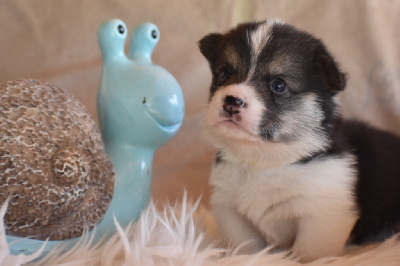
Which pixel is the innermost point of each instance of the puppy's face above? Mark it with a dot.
(272, 93)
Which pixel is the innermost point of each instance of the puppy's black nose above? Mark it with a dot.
(232, 104)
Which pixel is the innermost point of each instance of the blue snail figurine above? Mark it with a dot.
(140, 107)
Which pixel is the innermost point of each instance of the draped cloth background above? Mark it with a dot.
(57, 41)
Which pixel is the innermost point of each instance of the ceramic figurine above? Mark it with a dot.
(140, 107)
(53, 164)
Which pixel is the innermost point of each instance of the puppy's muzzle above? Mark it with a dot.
(232, 105)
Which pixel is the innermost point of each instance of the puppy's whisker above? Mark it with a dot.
(200, 107)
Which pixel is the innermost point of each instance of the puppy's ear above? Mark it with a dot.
(210, 46)
(331, 74)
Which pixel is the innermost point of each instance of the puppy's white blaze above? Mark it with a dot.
(258, 39)
(244, 125)
(261, 35)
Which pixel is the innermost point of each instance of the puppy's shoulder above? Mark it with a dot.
(365, 138)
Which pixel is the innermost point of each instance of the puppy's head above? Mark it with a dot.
(272, 93)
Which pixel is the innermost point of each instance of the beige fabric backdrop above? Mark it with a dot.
(56, 41)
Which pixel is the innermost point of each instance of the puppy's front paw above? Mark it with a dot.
(320, 237)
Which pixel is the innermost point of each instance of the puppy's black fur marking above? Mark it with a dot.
(211, 47)
(378, 186)
(218, 157)
(307, 67)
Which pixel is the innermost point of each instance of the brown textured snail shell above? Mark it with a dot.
(53, 164)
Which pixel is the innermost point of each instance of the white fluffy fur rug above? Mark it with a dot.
(179, 235)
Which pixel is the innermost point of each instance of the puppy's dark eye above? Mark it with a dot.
(224, 74)
(278, 85)
(121, 29)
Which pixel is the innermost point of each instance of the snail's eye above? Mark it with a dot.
(154, 34)
(121, 29)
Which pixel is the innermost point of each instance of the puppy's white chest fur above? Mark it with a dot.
(284, 203)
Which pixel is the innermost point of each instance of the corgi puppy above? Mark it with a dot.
(289, 171)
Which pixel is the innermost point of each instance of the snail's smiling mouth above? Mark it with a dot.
(163, 124)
